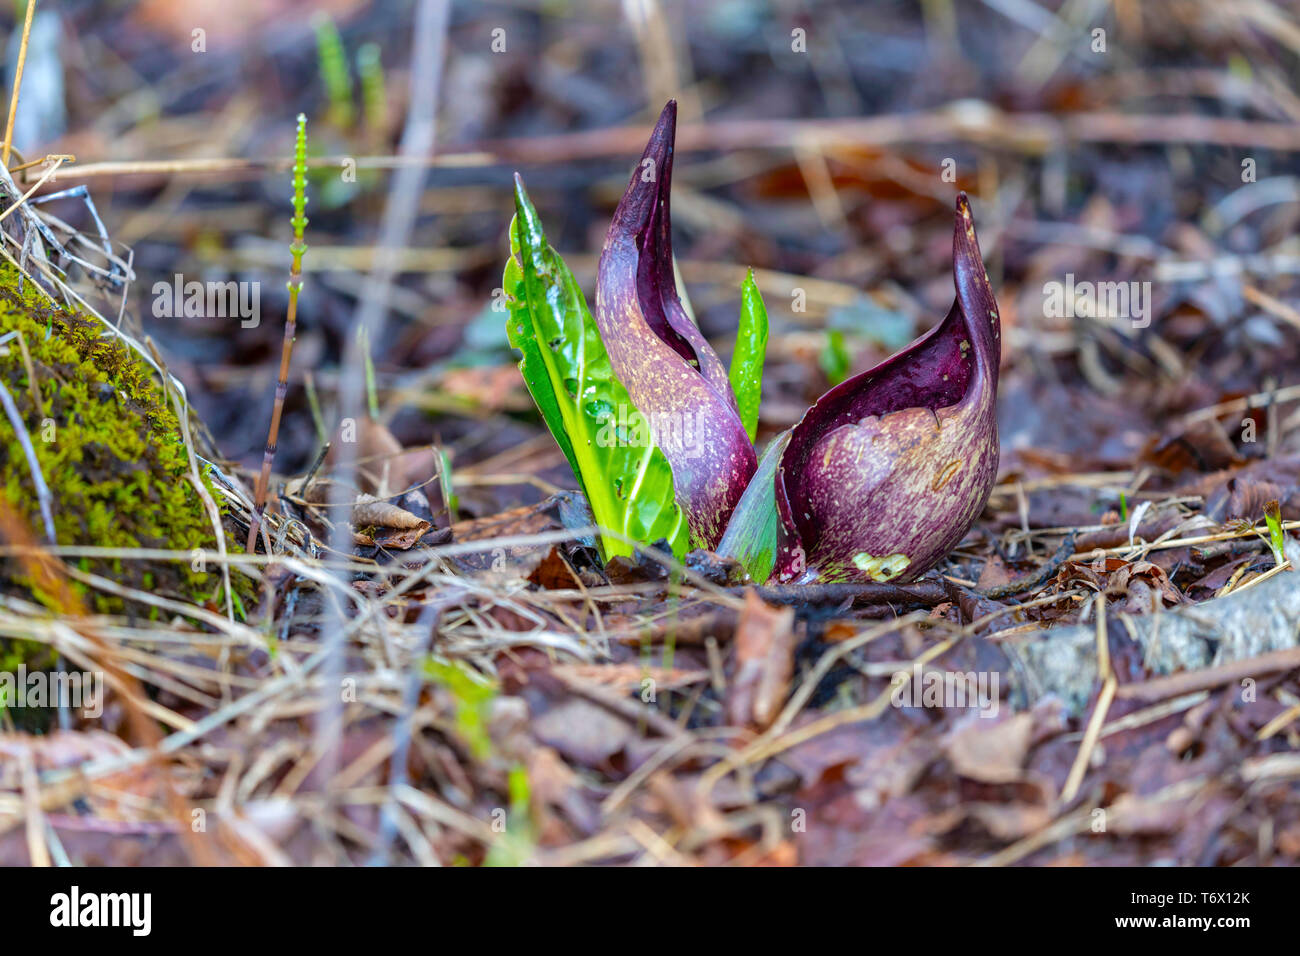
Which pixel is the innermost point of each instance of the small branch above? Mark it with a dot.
(1197, 644)
(920, 592)
(42, 491)
(18, 82)
(1031, 581)
(981, 125)
(1162, 688)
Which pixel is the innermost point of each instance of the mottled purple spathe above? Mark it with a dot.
(889, 470)
(670, 371)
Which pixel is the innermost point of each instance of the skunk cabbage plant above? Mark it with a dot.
(882, 476)
(887, 471)
(626, 479)
(672, 374)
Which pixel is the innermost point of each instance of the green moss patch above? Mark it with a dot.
(109, 447)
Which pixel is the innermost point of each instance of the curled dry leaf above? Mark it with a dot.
(764, 663)
(584, 732)
(369, 511)
(991, 752)
(380, 458)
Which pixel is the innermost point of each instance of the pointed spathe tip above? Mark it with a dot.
(661, 138)
(963, 206)
(649, 177)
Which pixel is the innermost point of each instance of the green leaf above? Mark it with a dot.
(751, 534)
(1276, 538)
(834, 359)
(473, 697)
(747, 360)
(626, 478)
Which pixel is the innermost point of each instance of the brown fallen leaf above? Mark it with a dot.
(493, 387)
(890, 771)
(1131, 815)
(1137, 586)
(553, 572)
(584, 732)
(568, 509)
(380, 458)
(627, 678)
(993, 574)
(764, 663)
(1203, 446)
(1010, 821)
(991, 752)
(371, 512)
(396, 540)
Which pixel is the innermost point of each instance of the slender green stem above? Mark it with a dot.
(296, 249)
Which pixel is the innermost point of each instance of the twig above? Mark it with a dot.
(428, 48)
(18, 82)
(979, 124)
(1031, 581)
(1160, 688)
(1098, 718)
(42, 490)
(867, 592)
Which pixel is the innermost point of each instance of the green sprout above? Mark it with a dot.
(299, 220)
(296, 250)
(1273, 518)
(334, 71)
(746, 373)
(374, 95)
(516, 845)
(372, 395)
(473, 696)
(447, 485)
(834, 360)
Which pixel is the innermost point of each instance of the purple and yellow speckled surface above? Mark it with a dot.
(887, 471)
(671, 373)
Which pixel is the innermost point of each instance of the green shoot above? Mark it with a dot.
(473, 697)
(834, 359)
(334, 72)
(374, 95)
(1273, 518)
(746, 373)
(296, 250)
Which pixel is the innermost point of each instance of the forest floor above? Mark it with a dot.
(458, 679)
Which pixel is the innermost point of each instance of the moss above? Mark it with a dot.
(109, 447)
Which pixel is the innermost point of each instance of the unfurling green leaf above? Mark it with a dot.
(1276, 537)
(751, 535)
(626, 478)
(747, 360)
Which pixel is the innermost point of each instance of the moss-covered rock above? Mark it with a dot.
(109, 446)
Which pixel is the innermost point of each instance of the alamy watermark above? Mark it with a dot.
(131, 911)
(948, 689)
(682, 433)
(83, 690)
(213, 300)
(1098, 300)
